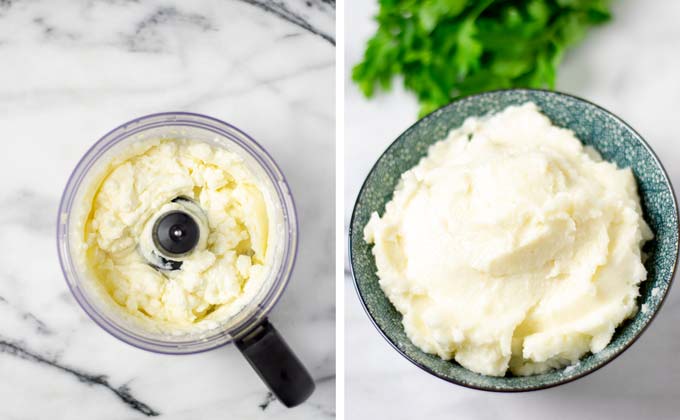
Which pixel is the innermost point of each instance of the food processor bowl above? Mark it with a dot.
(249, 328)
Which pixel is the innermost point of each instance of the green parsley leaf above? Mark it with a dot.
(443, 49)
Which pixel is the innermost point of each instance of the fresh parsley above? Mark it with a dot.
(444, 49)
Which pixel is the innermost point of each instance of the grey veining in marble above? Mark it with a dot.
(72, 70)
(626, 66)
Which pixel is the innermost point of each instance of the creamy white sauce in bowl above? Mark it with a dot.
(511, 246)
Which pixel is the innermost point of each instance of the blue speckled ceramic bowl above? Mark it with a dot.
(613, 138)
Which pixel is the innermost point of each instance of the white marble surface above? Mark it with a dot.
(72, 70)
(630, 67)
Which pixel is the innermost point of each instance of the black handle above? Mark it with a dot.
(277, 365)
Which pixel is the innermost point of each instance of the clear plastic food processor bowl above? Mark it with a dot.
(260, 343)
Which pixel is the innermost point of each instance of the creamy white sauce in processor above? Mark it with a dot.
(511, 246)
(238, 233)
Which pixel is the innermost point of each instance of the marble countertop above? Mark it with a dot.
(628, 66)
(72, 70)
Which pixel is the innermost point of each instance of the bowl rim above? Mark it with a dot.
(586, 372)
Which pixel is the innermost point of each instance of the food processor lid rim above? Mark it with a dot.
(266, 162)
